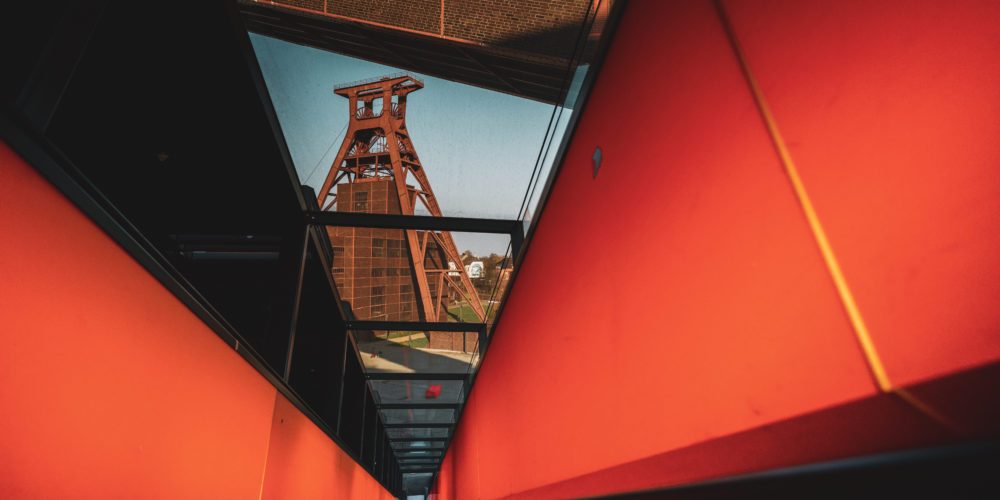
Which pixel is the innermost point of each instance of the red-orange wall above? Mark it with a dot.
(696, 305)
(891, 110)
(304, 463)
(111, 388)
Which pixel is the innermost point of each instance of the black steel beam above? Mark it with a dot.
(419, 426)
(417, 326)
(418, 406)
(420, 222)
(411, 440)
(516, 242)
(415, 376)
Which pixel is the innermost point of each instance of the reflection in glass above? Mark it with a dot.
(417, 445)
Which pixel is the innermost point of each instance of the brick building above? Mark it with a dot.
(372, 266)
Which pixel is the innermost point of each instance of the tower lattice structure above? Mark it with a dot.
(390, 274)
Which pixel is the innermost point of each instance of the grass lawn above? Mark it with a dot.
(413, 342)
(418, 343)
(466, 314)
(393, 335)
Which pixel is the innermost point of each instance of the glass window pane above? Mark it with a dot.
(412, 275)
(419, 461)
(418, 454)
(417, 432)
(416, 391)
(418, 416)
(417, 445)
(484, 177)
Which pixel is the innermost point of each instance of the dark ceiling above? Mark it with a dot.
(522, 59)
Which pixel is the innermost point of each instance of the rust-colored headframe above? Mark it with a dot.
(377, 149)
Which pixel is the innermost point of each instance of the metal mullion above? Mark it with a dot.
(404, 456)
(413, 222)
(372, 430)
(415, 376)
(516, 241)
(419, 426)
(417, 326)
(296, 302)
(343, 377)
(418, 406)
(364, 409)
(410, 440)
(380, 445)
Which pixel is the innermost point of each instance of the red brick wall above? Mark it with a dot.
(423, 15)
(305, 4)
(360, 270)
(541, 26)
(546, 27)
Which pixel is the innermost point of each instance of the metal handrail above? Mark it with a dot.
(376, 79)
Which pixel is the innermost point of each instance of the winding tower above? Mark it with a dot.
(391, 274)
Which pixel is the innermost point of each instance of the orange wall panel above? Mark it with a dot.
(111, 388)
(693, 310)
(890, 110)
(304, 463)
(445, 484)
(692, 302)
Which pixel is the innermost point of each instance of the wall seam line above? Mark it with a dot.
(267, 448)
(861, 333)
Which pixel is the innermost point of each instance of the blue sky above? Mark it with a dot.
(478, 146)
